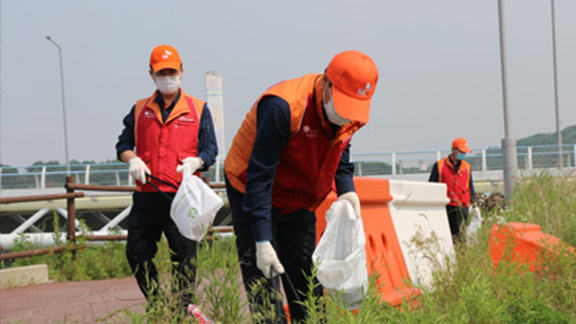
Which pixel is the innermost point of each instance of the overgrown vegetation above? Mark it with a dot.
(549, 202)
(471, 291)
(92, 262)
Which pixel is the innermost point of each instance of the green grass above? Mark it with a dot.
(91, 261)
(547, 201)
(471, 291)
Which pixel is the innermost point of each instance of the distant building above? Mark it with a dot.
(215, 100)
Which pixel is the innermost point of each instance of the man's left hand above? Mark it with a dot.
(352, 197)
(190, 165)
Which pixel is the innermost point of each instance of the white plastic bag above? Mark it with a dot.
(341, 255)
(475, 222)
(194, 207)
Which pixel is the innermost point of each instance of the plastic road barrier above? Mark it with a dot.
(419, 216)
(383, 252)
(524, 244)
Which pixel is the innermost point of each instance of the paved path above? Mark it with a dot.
(71, 302)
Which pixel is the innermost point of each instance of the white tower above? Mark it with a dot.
(215, 101)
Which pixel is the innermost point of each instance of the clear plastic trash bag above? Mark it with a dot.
(341, 255)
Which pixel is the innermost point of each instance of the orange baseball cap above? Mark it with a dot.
(461, 144)
(353, 76)
(165, 57)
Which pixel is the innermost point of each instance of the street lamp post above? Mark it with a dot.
(510, 159)
(558, 130)
(63, 103)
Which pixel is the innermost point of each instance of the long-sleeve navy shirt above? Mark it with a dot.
(434, 177)
(272, 135)
(207, 146)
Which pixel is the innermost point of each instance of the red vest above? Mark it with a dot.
(457, 183)
(163, 145)
(305, 174)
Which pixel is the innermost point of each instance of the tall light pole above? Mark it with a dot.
(558, 130)
(510, 159)
(63, 103)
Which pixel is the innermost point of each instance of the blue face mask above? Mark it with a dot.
(461, 156)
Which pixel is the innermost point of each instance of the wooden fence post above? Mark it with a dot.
(71, 207)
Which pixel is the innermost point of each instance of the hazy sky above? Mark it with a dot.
(438, 61)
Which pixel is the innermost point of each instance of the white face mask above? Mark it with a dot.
(168, 84)
(333, 116)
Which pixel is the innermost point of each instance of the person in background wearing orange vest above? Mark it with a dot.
(173, 133)
(291, 151)
(457, 175)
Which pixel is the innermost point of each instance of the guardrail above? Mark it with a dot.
(378, 164)
(71, 237)
(490, 159)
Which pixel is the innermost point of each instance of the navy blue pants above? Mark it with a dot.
(458, 218)
(294, 239)
(148, 219)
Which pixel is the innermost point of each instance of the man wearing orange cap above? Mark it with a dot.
(457, 175)
(291, 151)
(165, 135)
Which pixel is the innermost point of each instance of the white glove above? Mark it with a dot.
(352, 197)
(138, 169)
(190, 165)
(267, 260)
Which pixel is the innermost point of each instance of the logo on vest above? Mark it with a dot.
(362, 92)
(186, 119)
(149, 114)
(308, 132)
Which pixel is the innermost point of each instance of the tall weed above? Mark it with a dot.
(471, 290)
(547, 201)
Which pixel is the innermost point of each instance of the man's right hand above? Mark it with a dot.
(354, 200)
(267, 260)
(138, 169)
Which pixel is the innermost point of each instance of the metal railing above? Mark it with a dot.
(490, 159)
(378, 164)
(72, 223)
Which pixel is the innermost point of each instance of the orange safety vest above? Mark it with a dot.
(163, 145)
(308, 163)
(457, 183)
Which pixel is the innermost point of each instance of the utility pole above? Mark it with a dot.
(510, 159)
(558, 129)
